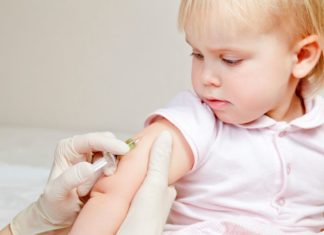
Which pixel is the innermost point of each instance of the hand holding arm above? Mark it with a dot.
(151, 204)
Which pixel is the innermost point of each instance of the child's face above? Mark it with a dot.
(242, 75)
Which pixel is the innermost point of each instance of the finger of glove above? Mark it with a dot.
(85, 188)
(72, 178)
(158, 169)
(95, 142)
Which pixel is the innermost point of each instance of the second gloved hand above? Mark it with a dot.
(71, 177)
(151, 205)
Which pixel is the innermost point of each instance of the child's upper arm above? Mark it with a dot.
(133, 166)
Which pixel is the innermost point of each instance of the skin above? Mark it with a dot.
(252, 72)
(6, 231)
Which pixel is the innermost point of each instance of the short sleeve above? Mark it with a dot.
(195, 121)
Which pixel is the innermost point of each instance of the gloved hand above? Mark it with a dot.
(151, 205)
(72, 177)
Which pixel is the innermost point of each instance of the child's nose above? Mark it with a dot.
(210, 78)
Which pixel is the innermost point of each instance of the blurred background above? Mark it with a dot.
(89, 65)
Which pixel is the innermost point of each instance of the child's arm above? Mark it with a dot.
(111, 196)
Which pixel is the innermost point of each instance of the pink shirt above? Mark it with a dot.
(268, 172)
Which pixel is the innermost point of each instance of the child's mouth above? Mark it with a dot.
(216, 104)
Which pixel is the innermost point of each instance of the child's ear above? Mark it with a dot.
(307, 52)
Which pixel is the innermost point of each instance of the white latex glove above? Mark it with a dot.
(151, 205)
(72, 177)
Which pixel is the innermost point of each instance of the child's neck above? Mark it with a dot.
(290, 111)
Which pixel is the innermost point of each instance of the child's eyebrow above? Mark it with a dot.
(225, 49)
(187, 41)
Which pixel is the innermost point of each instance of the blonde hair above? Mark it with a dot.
(299, 18)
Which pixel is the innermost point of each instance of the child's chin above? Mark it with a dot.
(228, 119)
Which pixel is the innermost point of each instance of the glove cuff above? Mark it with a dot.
(31, 221)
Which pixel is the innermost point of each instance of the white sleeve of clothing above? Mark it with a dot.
(194, 119)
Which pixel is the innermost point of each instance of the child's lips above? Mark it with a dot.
(216, 104)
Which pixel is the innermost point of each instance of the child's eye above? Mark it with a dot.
(197, 55)
(232, 61)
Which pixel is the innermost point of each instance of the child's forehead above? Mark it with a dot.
(216, 41)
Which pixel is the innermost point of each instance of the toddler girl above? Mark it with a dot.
(248, 144)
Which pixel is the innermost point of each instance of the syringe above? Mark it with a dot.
(109, 160)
